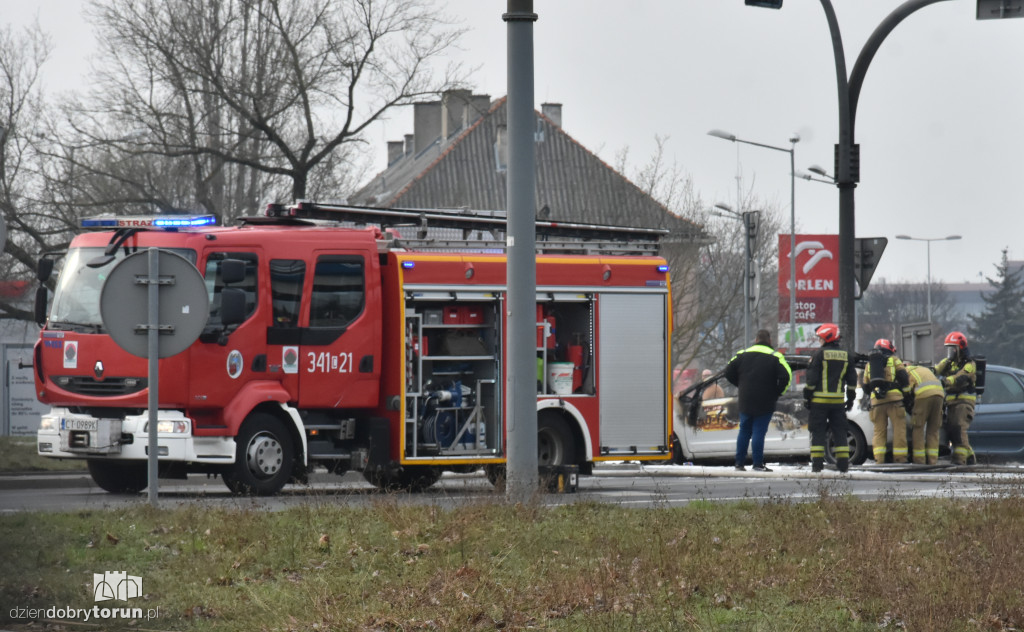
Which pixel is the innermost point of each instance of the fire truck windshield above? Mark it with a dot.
(76, 301)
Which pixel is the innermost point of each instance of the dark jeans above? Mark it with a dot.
(752, 431)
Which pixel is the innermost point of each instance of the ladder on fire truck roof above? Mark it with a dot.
(434, 228)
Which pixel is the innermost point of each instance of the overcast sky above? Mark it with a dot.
(939, 120)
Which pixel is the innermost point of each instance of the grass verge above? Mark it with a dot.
(18, 454)
(834, 564)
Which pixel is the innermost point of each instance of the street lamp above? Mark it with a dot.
(794, 139)
(750, 225)
(929, 242)
(847, 150)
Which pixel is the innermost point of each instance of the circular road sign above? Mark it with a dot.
(184, 305)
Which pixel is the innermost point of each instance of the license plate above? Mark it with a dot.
(80, 424)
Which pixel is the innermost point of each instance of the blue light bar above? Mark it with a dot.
(662, 268)
(149, 221)
(408, 265)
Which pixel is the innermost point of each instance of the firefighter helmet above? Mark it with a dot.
(957, 339)
(884, 344)
(828, 332)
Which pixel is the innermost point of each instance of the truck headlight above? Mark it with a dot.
(175, 426)
(48, 423)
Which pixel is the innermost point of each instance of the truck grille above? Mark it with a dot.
(110, 387)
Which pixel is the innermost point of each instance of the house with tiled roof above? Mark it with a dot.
(456, 157)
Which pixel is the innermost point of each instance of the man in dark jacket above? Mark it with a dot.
(762, 375)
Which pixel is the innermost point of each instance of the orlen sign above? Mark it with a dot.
(817, 266)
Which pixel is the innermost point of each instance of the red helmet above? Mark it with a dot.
(828, 332)
(955, 338)
(885, 344)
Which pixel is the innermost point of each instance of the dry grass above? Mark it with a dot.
(834, 564)
(18, 454)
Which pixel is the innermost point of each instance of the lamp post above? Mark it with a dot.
(847, 151)
(794, 139)
(929, 242)
(750, 224)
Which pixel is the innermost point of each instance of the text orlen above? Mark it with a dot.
(85, 614)
(815, 285)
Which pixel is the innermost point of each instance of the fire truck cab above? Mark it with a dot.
(333, 341)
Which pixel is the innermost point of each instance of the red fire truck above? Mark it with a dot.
(358, 339)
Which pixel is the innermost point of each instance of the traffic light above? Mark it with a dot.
(768, 4)
(866, 253)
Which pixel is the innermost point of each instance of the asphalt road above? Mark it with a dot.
(628, 485)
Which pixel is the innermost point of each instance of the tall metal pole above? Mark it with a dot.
(792, 219)
(792, 247)
(153, 372)
(848, 152)
(929, 290)
(521, 381)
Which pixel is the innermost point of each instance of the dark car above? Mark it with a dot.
(997, 432)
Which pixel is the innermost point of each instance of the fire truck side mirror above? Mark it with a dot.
(44, 269)
(41, 295)
(232, 306)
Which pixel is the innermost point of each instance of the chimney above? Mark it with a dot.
(409, 144)
(395, 151)
(454, 108)
(479, 105)
(426, 125)
(552, 111)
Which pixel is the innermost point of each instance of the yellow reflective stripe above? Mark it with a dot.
(879, 454)
(926, 390)
(827, 398)
(962, 397)
(817, 451)
(842, 451)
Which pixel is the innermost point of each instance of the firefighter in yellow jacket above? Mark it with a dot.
(959, 374)
(925, 406)
(886, 378)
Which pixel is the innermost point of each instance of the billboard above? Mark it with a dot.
(817, 286)
(817, 266)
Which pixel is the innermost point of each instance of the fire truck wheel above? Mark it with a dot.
(263, 463)
(554, 441)
(130, 477)
(410, 478)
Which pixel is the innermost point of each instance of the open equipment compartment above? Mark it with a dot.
(453, 374)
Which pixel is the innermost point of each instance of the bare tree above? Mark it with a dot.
(886, 307)
(261, 98)
(32, 226)
(707, 277)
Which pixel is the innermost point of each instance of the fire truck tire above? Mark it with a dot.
(130, 477)
(410, 478)
(555, 445)
(264, 459)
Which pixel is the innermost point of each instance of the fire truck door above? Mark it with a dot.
(339, 354)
